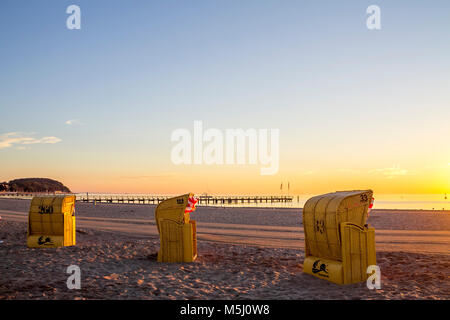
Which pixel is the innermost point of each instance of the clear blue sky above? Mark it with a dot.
(139, 69)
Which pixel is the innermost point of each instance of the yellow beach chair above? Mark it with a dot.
(178, 235)
(51, 222)
(339, 246)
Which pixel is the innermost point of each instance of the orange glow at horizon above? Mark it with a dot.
(248, 181)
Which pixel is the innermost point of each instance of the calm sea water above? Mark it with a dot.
(382, 201)
(437, 202)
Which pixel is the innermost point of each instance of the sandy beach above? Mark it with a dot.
(244, 253)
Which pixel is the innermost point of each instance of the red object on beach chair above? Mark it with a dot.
(191, 205)
(370, 206)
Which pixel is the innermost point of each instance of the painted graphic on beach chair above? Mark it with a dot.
(339, 246)
(178, 234)
(51, 222)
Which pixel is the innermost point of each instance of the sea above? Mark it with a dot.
(382, 201)
(437, 202)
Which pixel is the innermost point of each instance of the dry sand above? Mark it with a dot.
(244, 253)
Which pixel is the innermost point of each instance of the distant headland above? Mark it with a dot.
(33, 185)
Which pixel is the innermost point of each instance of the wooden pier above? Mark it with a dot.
(149, 199)
(203, 199)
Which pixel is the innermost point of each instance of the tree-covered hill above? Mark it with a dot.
(33, 185)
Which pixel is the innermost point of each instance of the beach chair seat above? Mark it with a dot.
(178, 234)
(51, 222)
(339, 246)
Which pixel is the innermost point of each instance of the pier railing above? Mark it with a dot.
(203, 200)
(149, 199)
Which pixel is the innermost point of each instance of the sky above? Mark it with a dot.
(95, 108)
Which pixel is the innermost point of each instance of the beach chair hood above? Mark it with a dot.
(338, 244)
(178, 236)
(51, 222)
